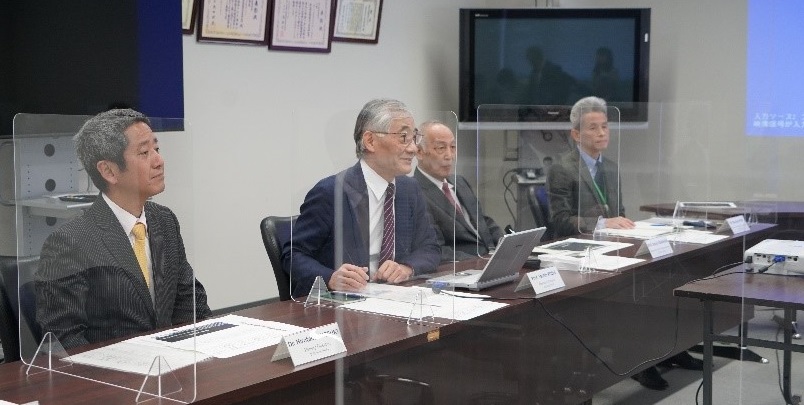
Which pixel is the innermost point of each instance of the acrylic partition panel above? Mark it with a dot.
(675, 156)
(93, 301)
(334, 253)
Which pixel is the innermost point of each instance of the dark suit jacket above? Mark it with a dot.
(574, 203)
(90, 287)
(452, 231)
(332, 229)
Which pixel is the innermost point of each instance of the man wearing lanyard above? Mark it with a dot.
(585, 195)
(583, 186)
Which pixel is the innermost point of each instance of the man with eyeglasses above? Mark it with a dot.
(462, 229)
(370, 221)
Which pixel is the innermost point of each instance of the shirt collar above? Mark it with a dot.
(590, 161)
(435, 181)
(125, 218)
(376, 184)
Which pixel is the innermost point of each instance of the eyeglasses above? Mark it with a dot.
(405, 137)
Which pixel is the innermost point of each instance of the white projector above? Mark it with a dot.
(783, 256)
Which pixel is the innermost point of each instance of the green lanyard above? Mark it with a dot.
(601, 195)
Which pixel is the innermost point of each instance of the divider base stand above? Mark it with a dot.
(50, 355)
(160, 382)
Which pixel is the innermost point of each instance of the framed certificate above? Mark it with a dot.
(188, 15)
(357, 21)
(233, 21)
(301, 25)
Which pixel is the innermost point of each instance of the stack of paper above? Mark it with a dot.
(420, 302)
(642, 230)
(594, 261)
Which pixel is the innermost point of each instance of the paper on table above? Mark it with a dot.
(642, 230)
(577, 247)
(599, 262)
(441, 305)
(693, 236)
(134, 356)
(247, 335)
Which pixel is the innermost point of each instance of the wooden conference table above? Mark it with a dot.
(738, 287)
(558, 349)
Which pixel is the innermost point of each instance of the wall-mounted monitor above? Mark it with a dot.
(553, 56)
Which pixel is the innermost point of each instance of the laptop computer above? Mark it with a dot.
(511, 254)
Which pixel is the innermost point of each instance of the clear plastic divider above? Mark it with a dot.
(339, 236)
(94, 301)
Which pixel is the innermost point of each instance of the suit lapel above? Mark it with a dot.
(436, 197)
(119, 247)
(468, 203)
(156, 244)
(356, 193)
(586, 177)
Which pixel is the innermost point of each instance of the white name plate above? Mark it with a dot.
(657, 247)
(542, 281)
(737, 224)
(311, 345)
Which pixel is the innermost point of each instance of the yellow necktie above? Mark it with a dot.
(139, 250)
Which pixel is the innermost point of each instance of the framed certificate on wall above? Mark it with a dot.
(233, 21)
(188, 15)
(301, 25)
(357, 21)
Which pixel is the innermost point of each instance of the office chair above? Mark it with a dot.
(275, 231)
(21, 299)
(539, 207)
(9, 327)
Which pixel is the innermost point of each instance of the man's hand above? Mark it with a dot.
(348, 277)
(393, 272)
(619, 223)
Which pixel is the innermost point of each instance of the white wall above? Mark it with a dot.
(268, 124)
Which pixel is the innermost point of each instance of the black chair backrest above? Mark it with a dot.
(536, 206)
(275, 231)
(538, 201)
(9, 326)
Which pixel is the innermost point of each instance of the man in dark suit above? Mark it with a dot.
(120, 268)
(584, 190)
(368, 222)
(584, 185)
(462, 229)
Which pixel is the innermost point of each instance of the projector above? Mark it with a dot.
(777, 256)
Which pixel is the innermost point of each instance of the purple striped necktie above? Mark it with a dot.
(388, 226)
(448, 194)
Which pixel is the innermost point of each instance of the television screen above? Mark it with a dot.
(83, 57)
(553, 57)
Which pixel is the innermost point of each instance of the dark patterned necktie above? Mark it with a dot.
(388, 226)
(448, 194)
(600, 177)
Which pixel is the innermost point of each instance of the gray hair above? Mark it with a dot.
(377, 115)
(424, 126)
(103, 137)
(586, 105)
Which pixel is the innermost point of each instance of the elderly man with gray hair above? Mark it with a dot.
(584, 185)
(370, 221)
(120, 268)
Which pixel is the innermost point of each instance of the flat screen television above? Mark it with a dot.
(553, 57)
(83, 57)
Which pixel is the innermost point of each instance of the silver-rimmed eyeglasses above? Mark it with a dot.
(405, 137)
